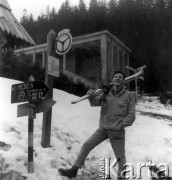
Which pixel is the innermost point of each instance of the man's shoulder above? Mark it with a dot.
(129, 93)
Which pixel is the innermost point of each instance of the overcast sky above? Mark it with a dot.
(36, 6)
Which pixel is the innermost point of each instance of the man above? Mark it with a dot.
(117, 112)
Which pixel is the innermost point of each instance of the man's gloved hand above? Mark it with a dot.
(106, 87)
(91, 92)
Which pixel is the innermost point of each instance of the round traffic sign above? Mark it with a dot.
(63, 42)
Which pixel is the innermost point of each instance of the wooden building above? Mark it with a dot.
(12, 33)
(93, 56)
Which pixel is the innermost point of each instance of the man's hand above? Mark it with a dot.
(91, 92)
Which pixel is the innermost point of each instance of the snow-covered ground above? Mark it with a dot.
(149, 138)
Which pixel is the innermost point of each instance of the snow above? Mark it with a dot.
(149, 138)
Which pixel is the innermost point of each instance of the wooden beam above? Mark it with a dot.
(86, 38)
(34, 57)
(110, 64)
(30, 50)
(104, 58)
(127, 63)
(118, 59)
(123, 61)
(64, 61)
(115, 58)
(43, 58)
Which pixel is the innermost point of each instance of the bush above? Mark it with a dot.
(11, 68)
(166, 97)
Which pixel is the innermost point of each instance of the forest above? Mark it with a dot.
(145, 26)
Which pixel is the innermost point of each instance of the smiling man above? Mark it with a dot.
(117, 112)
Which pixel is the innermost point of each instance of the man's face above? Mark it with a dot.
(118, 79)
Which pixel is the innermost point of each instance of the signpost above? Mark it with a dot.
(40, 106)
(63, 42)
(30, 91)
(34, 92)
(31, 117)
(61, 45)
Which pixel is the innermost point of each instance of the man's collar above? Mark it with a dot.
(114, 88)
(118, 93)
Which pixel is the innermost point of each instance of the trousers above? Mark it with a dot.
(117, 140)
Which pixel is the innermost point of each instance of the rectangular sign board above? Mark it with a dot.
(30, 91)
(53, 66)
(40, 106)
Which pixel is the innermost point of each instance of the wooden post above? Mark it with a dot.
(104, 58)
(43, 58)
(118, 59)
(64, 62)
(128, 69)
(126, 58)
(136, 87)
(34, 57)
(123, 61)
(31, 117)
(110, 64)
(46, 127)
(115, 57)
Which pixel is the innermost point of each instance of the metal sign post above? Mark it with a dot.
(31, 117)
(34, 92)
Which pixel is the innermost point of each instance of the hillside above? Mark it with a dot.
(149, 138)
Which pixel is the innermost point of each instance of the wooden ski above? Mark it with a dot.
(128, 79)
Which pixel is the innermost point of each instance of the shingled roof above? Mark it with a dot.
(10, 26)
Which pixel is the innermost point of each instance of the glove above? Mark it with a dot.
(91, 92)
(106, 88)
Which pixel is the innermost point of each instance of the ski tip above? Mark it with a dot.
(72, 102)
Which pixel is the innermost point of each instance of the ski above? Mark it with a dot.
(97, 92)
(128, 79)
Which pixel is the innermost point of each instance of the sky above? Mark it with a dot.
(37, 6)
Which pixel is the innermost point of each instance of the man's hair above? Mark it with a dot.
(118, 71)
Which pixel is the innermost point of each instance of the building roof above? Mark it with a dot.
(5, 4)
(10, 25)
(88, 41)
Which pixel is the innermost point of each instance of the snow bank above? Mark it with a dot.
(148, 138)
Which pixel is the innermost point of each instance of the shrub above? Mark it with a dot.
(11, 68)
(166, 97)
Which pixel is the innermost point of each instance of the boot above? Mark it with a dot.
(71, 173)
